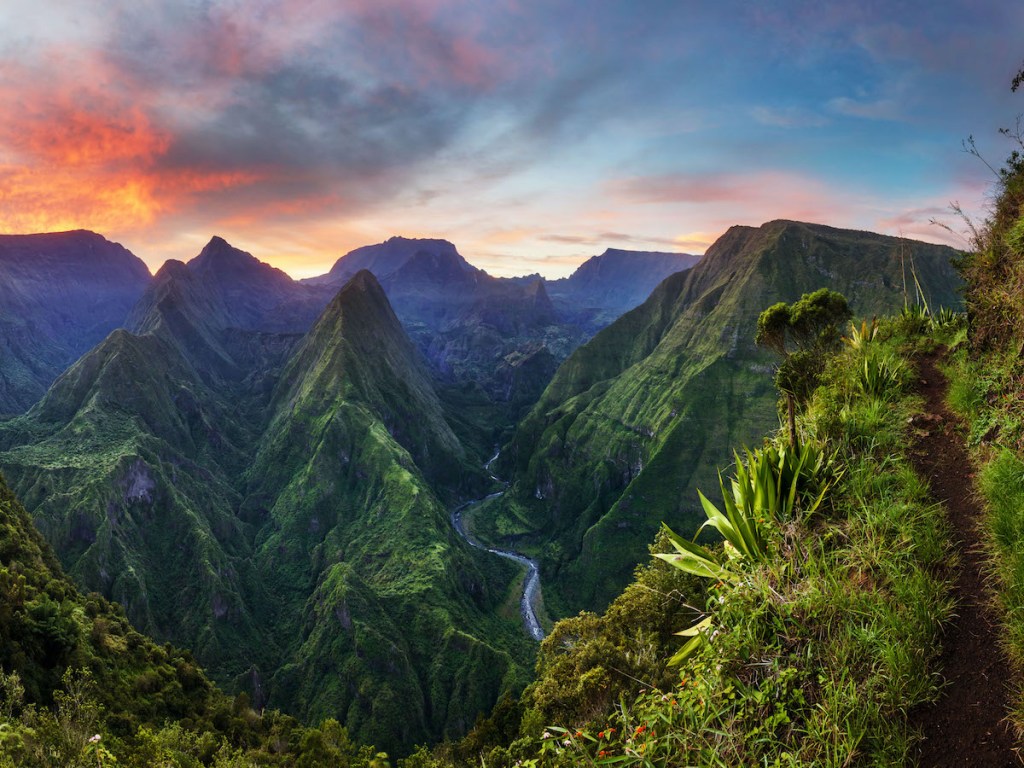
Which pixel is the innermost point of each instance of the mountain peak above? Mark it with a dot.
(219, 254)
(232, 267)
(421, 242)
(362, 295)
(363, 281)
(172, 268)
(384, 259)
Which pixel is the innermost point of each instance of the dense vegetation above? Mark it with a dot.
(987, 389)
(290, 527)
(80, 687)
(310, 501)
(638, 419)
(812, 638)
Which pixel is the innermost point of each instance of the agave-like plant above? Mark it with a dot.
(767, 487)
(946, 317)
(860, 338)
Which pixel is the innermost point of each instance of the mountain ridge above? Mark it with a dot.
(672, 386)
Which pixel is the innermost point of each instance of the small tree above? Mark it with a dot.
(802, 334)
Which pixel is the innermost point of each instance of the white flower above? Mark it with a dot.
(94, 739)
(546, 735)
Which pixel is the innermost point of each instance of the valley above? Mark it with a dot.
(258, 469)
(275, 474)
(531, 584)
(420, 384)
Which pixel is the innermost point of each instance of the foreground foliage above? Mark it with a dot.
(817, 617)
(80, 687)
(987, 390)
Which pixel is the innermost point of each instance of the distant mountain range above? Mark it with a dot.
(262, 470)
(616, 281)
(60, 294)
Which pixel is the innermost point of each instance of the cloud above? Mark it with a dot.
(788, 117)
(695, 242)
(602, 239)
(78, 154)
(877, 109)
(789, 193)
(180, 101)
(539, 131)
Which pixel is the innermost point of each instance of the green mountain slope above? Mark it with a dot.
(48, 626)
(642, 415)
(126, 465)
(389, 620)
(277, 513)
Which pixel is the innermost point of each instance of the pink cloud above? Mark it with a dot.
(776, 194)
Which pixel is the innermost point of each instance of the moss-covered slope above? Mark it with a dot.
(389, 619)
(127, 466)
(640, 416)
(289, 533)
(47, 626)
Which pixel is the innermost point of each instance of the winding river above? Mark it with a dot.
(531, 589)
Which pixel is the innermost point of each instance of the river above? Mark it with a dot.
(531, 588)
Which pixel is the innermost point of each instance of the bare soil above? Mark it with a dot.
(968, 725)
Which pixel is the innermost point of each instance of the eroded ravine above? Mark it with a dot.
(531, 587)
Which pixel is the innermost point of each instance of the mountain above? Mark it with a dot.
(637, 419)
(126, 465)
(385, 258)
(76, 677)
(617, 280)
(254, 295)
(280, 521)
(473, 329)
(60, 294)
(388, 619)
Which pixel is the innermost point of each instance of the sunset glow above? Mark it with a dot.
(531, 135)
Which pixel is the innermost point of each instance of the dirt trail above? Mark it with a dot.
(967, 726)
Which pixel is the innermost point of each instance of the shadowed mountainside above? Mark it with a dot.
(60, 294)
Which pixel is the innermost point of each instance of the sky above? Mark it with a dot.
(532, 134)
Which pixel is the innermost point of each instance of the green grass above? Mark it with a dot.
(813, 656)
(1001, 483)
(641, 416)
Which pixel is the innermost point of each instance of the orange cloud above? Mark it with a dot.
(67, 134)
(695, 242)
(41, 201)
(88, 156)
